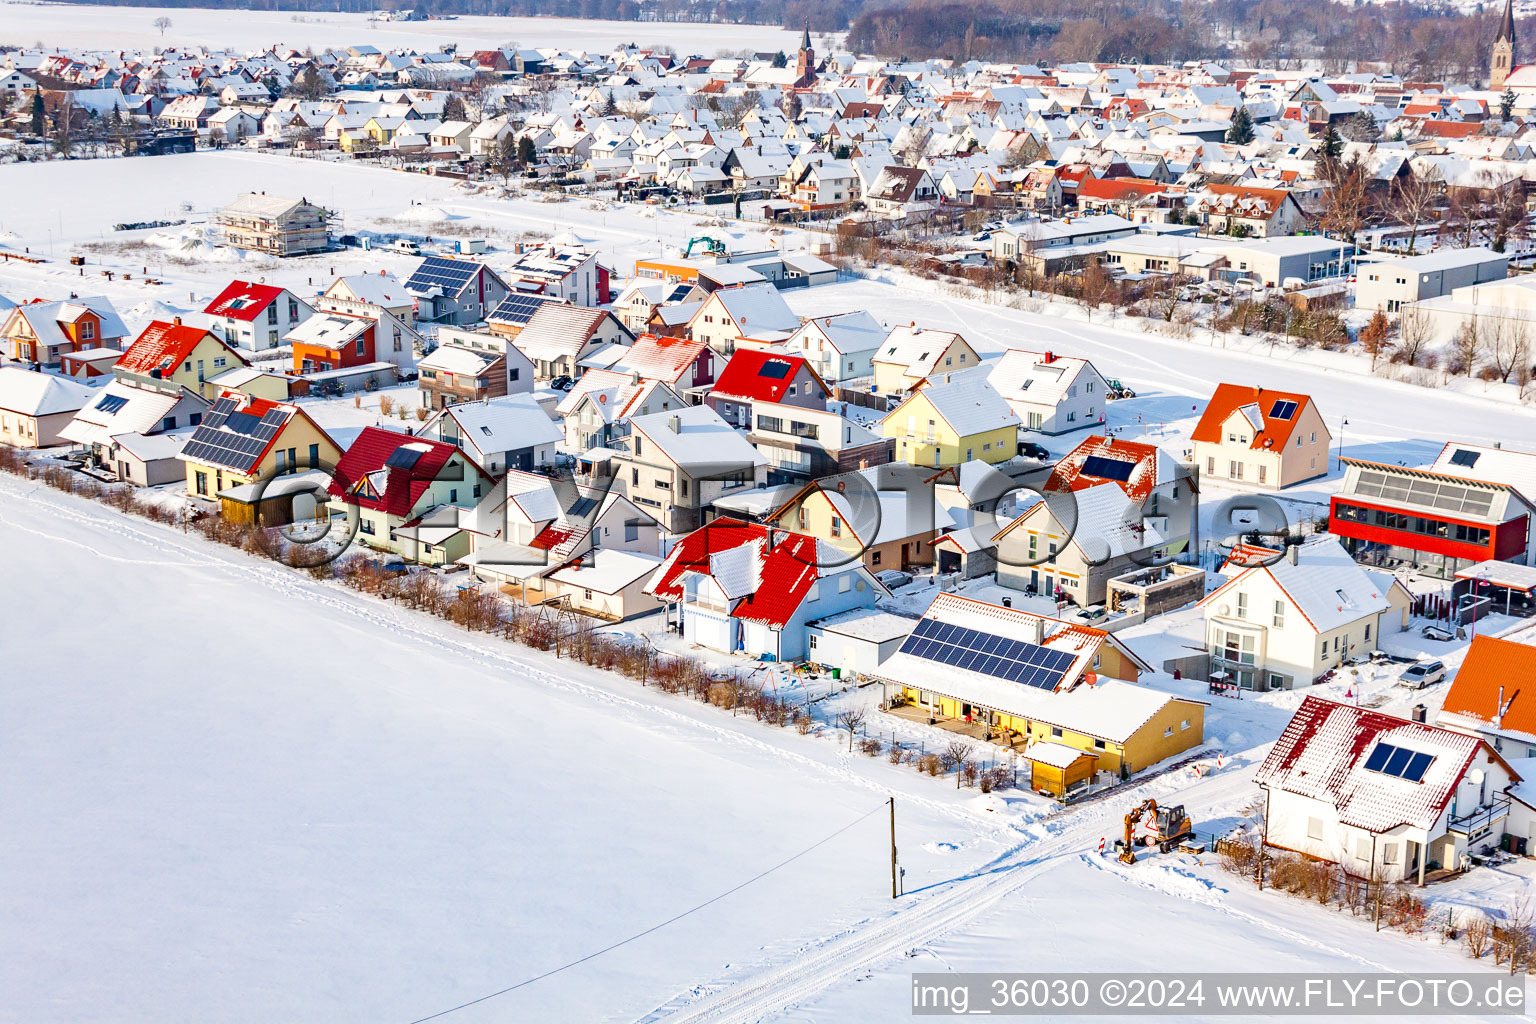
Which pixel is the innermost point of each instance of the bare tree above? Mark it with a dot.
(1374, 336)
(958, 755)
(1165, 295)
(1508, 346)
(1412, 201)
(1413, 329)
(852, 719)
(1346, 204)
(1466, 346)
(162, 23)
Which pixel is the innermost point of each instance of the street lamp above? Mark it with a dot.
(1344, 422)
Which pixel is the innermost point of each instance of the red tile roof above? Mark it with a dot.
(784, 573)
(1451, 129)
(1322, 755)
(1068, 474)
(161, 347)
(398, 491)
(743, 376)
(661, 358)
(1118, 188)
(243, 300)
(1231, 397)
(1493, 665)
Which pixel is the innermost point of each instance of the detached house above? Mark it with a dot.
(558, 337)
(35, 407)
(673, 465)
(902, 191)
(455, 291)
(756, 375)
(178, 354)
(255, 316)
(242, 440)
(951, 421)
(839, 347)
(273, 225)
(1128, 508)
(1261, 438)
(597, 411)
(748, 310)
(44, 332)
(911, 354)
(1050, 393)
(393, 482)
(1281, 625)
(1382, 796)
(1493, 696)
(748, 587)
(511, 432)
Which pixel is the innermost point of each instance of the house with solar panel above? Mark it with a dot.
(255, 316)
(1111, 505)
(512, 314)
(176, 353)
(754, 375)
(1037, 684)
(569, 272)
(412, 496)
(1256, 437)
(737, 586)
(248, 441)
(1385, 797)
(455, 291)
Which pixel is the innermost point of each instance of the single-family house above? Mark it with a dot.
(1050, 393)
(1256, 437)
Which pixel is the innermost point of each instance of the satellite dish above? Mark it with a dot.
(1225, 609)
(1477, 775)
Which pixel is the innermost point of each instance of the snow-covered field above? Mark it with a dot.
(249, 796)
(236, 794)
(75, 26)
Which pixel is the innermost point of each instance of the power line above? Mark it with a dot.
(656, 927)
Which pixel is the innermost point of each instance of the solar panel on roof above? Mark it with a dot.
(242, 422)
(1282, 410)
(1399, 762)
(1463, 457)
(777, 369)
(403, 458)
(1108, 469)
(111, 403)
(518, 307)
(988, 654)
(449, 275)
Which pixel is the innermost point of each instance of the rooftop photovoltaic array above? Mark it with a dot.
(1002, 657)
(228, 437)
(437, 272)
(1108, 469)
(1399, 762)
(1282, 410)
(777, 369)
(518, 307)
(1463, 457)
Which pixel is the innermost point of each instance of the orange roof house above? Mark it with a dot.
(1258, 437)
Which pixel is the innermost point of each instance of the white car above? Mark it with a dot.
(893, 578)
(1422, 674)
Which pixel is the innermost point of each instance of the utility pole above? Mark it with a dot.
(893, 847)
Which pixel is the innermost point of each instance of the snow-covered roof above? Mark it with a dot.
(30, 393)
(698, 440)
(607, 571)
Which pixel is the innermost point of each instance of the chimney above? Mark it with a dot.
(1498, 712)
(675, 424)
(1290, 553)
(1037, 628)
(1050, 357)
(1420, 715)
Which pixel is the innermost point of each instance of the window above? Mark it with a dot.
(1389, 853)
(1168, 732)
(1367, 630)
(1314, 828)
(169, 423)
(1262, 472)
(1362, 848)
(802, 518)
(219, 362)
(366, 526)
(586, 595)
(874, 558)
(314, 456)
(272, 313)
(87, 330)
(837, 527)
(1210, 465)
(1099, 745)
(359, 346)
(293, 309)
(843, 584)
(202, 483)
(1056, 732)
(1183, 724)
(1242, 605)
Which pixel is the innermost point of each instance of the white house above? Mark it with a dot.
(510, 432)
(1050, 393)
(839, 347)
(1280, 626)
(1381, 796)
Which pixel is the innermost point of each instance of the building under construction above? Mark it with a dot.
(273, 225)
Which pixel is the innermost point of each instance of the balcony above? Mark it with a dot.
(1478, 823)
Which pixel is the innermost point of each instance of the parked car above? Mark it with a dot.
(1093, 613)
(1422, 674)
(1033, 450)
(406, 246)
(1436, 633)
(893, 578)
(562, 383)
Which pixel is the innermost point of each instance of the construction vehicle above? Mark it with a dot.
(711, 245)
(1117, 390)
(1162, 827)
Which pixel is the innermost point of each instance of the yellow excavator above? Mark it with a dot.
(1162, 827)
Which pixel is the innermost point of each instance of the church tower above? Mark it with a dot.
(805, 62)
(1503, 61)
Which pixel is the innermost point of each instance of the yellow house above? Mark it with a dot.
(175, 352)
(953, 421)
(1033, 680)
(243, 439)
(900, 536)
(910, 355)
